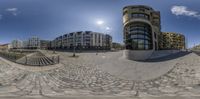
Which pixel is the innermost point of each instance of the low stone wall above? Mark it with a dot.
(162, 53)
(137, 54)
(140, 55)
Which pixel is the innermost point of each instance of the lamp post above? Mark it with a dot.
(105, 29)
(54, 50)
(74, 45)
(107, 38)
(100, 24)
(74, 52)
(54, 47)
(97, 50)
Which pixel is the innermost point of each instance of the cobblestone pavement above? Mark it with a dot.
(82, 76)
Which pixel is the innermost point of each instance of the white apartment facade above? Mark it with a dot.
(34, 43)
(83, 40)
(17, 44)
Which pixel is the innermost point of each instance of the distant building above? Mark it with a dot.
(58, 42)
(117, 46)
(34, 43)
(172, 40)
(17, 44)
(51, 45)
(25, 44)
(44, 44)
(108, 41)
(79, 40)
(197, 47)
(5, 47)
(82, 40)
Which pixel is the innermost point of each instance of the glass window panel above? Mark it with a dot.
(146, 42)
(146, 47)
(147, 37)
(140, 41)
(141, 31)
(133, 36)
(140, 36)
(134, 41)
(141, 46)
(145, 32)
(132, 32)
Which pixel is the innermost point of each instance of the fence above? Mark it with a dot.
(36, 60)
(11, 55)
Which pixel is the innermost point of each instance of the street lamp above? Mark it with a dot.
(74, 52)
(54, 50)
(107, 32)
(74, 45)
(104, 28)
(99, 23)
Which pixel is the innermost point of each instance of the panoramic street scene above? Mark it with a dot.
(99, 49)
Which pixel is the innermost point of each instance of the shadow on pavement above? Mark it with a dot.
(169, 57)
(196, 52)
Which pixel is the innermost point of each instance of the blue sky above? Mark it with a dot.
(47, 19)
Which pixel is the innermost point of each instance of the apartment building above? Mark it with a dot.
(16, 44)
(34, 43)
(82, 40)
(173, 40)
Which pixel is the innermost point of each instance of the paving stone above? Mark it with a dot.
(82, 75)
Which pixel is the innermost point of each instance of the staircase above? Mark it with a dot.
(38, 59)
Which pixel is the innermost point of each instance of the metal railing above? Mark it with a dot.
(30, 60)
(40, 60)
(11, 55)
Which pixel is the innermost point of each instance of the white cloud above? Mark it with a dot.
(183, 10)
(11, 9)
(14, 11)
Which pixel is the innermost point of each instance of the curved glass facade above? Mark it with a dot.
(139, 36)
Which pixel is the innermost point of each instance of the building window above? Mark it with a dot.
(125, 12)
(139, 37)
(140, 15)
(142, 10)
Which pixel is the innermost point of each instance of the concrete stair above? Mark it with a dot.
(37, 59)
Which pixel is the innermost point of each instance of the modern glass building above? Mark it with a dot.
(141, 31)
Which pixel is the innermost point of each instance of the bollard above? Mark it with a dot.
(137, 93)
(53, 60)
(39, 63)
(15, 58)
(26, 60)
(58, 59)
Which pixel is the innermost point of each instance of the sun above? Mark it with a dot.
(100, 22)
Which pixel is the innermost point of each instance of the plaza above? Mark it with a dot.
(98, 76)
(97, 51)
